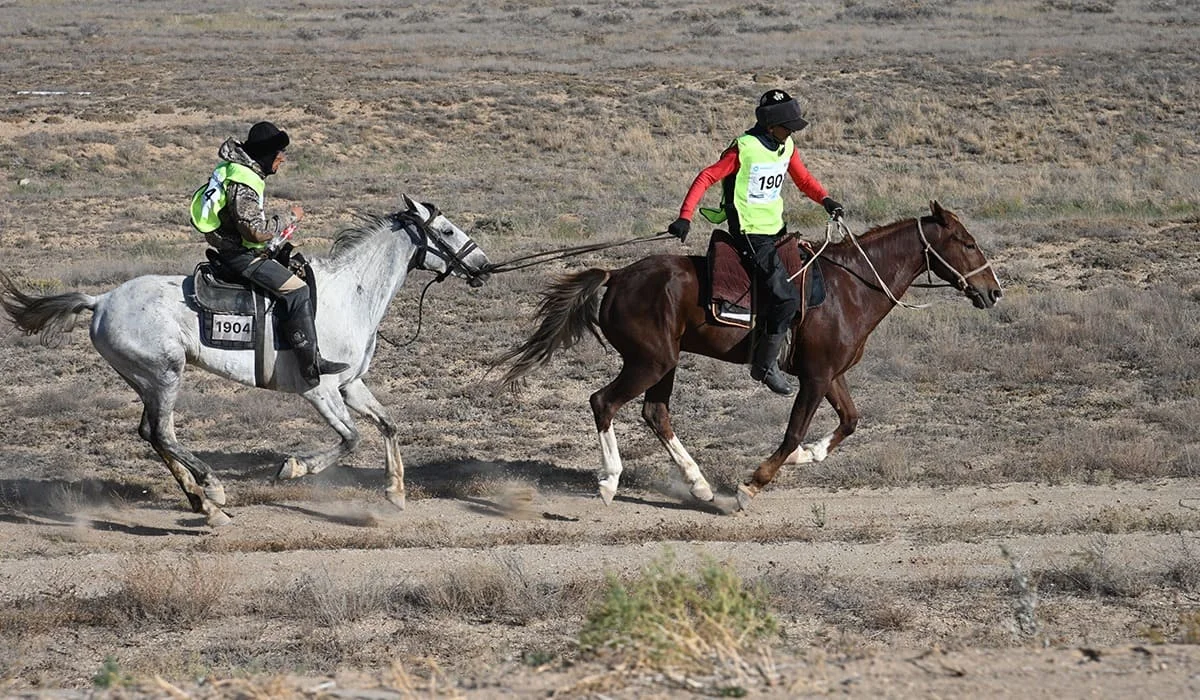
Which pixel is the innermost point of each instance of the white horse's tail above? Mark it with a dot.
(49, 316)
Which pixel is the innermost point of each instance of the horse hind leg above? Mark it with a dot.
(657, 414)
(204, 491)
(633, 379)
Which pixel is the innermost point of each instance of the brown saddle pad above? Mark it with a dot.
(731, 297)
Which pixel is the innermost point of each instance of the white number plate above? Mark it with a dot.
(232, 327)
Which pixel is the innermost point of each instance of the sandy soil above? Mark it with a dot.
(1051, 441)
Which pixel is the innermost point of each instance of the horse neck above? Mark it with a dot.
(896, 252)
(365, 277)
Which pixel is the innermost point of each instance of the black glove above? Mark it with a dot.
(832, 208)
(680, 228)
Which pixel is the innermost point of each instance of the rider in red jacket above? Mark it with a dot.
(751, 171)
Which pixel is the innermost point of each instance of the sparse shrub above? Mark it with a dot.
(491, 592)
(892, 10)
(1025, 602)
(667, 619)
(110, 675)
(1097, 574)
(1189, 627)
(317, 599)
(1096, 6)
(172, 592)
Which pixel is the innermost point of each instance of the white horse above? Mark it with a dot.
(148, 331)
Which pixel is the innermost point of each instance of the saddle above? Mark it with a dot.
(236, 315)
(731, 298)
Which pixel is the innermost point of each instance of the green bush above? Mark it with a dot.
(665, 618)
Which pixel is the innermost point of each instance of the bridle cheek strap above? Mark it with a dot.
(960, 282)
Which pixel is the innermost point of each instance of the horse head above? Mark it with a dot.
(952, 254)
(445, 248)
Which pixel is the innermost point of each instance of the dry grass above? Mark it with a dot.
(1062, 131)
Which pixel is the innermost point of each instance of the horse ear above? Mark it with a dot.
(938, 212)
(409, 204)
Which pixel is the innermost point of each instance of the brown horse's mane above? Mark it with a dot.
(880, 231)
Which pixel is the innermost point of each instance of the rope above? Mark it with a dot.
(420, 314)
(883, 285)
(552, 255)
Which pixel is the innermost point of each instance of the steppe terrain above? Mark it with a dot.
(1016, 516)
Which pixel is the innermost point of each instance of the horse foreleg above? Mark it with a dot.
(360, 398)
(329, 403)
(657, 414)
(839, 399)
(805, 406)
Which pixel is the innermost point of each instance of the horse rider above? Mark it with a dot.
(751, 174)
(229, 211)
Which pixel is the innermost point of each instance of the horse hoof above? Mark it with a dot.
(745, 494)
(292, 468)
(218, 518)
(396, 498)
(702, 491)
(215, 492)
(607, 493)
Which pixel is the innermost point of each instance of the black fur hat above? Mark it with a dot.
(264, 141)
(777, 108)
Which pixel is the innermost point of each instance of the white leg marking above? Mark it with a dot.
(689, 469)
(812, 452)
(610, 465)
(800, 455)
(820, 449)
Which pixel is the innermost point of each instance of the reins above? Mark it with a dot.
(506, 266)
(552, 255)
(962, 283)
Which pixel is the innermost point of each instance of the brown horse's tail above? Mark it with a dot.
(570, 307)
(50, 316)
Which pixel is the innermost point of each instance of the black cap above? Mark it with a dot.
(265, 140)
(777, 108)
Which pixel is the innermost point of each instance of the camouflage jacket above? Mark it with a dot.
(243, 216)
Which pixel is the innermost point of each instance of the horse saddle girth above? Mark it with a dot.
(730, 295)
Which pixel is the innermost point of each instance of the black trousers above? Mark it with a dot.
(779, 300)
(268, 275)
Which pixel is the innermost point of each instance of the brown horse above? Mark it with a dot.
(654, 309)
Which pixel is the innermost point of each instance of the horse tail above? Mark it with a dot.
(570, 307)
(50, 316)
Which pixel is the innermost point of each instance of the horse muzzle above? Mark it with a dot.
(984, 298)
(477, 281)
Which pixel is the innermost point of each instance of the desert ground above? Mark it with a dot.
(1016, 515)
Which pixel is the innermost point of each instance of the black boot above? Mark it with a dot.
(765, 367)
(302, 334)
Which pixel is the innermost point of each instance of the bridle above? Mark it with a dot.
(960, 282)
(428, 241)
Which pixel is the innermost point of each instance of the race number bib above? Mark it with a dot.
(766, 181)
(231, 327)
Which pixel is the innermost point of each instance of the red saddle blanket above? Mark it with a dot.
(731, 299)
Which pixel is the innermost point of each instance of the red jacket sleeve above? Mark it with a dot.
(808, 184)
(727, 165)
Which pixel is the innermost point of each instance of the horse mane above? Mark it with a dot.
(350, 239)
(883, 230)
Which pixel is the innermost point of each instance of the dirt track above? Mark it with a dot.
(1060, 427)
